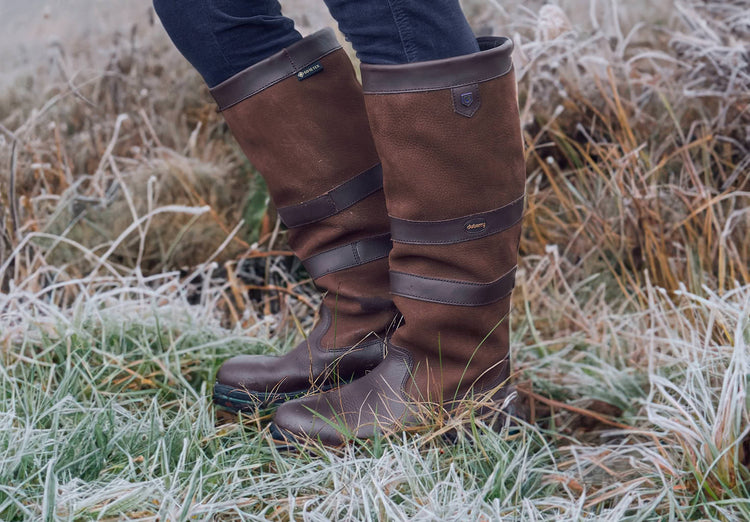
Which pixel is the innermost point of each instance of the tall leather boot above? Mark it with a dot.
(300, 118)
(448, 135)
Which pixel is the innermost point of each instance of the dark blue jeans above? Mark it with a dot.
(222, 37)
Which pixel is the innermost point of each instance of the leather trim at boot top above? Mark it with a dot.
(288, 62)
(335, 200)
(492, 61)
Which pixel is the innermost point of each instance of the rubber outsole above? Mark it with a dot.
(239, 400)
(283, 440)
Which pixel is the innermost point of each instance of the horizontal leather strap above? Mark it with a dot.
(277, 67)
(334, 201)
(457, 230)
(492, 61)
(348, 256)
(446, 291)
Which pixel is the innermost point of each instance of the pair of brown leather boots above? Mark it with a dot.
(403, 197)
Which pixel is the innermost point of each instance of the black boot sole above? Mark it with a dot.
(237, 400)
(283, 440)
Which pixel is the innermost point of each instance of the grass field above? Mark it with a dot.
(137, 252)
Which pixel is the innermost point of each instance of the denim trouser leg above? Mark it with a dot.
(222, 37)
(404, 31)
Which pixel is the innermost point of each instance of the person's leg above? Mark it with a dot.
(223, 37)
(404, 31)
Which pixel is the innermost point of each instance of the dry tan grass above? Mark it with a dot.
(126, 208)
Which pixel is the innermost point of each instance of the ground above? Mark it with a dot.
(137, 252)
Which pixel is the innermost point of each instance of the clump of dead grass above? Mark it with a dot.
(126, 203)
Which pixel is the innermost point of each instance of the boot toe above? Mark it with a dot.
(252, 372)
(248, 382)
(363, 409)
(311, 418)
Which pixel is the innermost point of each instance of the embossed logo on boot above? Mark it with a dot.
(466, 99)
(310, 70)
(475, 226)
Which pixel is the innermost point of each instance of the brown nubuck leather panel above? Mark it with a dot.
(449, 139)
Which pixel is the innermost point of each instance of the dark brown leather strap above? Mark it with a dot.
(493, 60)
(334, 201)
(446, 291)
(457, 230)
(348, 256)
(287, 62)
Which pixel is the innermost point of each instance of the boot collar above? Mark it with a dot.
(291, 61)
(492, 60)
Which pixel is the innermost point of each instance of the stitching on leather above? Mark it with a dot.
(356, 255)
(453, 100)
(463, 112)
(274, 82)
(350, 266)
(478, 215)
(462, 240)
(291, 61)
(439, 88)
(408, 367)
(324, 199)
(328, 320)
(467, 216)
(328, 197)
(504, 361)
(344, 267)
(427, 278)
(328, 317)
(360, 346)
(364, 196)
(335, 270)
(453, 301)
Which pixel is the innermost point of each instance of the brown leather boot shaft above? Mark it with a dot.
(462, 158)
(307, 137)
(449, 138)
(300, 118)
